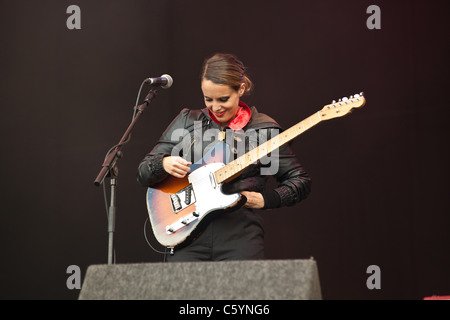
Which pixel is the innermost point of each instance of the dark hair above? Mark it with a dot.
(226, 69)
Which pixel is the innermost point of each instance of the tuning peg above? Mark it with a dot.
(334, 101)
(351, 97)
(357, 96)
(344, 99)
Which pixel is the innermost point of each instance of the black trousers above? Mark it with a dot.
(238, 235)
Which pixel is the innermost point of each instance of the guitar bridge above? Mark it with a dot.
(187, 194)
(182, 222)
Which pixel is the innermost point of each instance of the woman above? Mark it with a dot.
(238, 235)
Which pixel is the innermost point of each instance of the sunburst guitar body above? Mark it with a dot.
(179, 207)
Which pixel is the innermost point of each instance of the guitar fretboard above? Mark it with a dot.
(234, 168)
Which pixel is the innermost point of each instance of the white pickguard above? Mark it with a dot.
(208, 195)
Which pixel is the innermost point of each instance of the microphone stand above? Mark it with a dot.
(109, 168)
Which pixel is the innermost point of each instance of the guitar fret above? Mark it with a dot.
(302, 126)
(234, 169)
(263, 149)
(305, 125)
(239, 162)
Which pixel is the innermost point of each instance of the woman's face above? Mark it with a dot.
(222, 100)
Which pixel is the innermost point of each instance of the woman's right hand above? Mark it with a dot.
(176, 166)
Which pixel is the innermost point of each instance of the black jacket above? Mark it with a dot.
(294, 183)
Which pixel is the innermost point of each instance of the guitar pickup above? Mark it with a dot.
(176, 204)
(188, 193)
(182, 199)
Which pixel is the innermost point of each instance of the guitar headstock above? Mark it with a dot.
(342, 107)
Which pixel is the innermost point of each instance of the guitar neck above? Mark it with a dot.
(235, 167)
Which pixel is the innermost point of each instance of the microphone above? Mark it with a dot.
(165, 81)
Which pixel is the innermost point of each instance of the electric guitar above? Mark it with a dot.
(179, 207)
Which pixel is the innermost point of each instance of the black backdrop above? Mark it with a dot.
(380, 176)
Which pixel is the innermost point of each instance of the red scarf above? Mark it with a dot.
(241, 119)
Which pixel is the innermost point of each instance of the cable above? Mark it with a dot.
(134, 115)
(137, 100)
(107, 154)
(121, 144)
(148, 242)
(146, 220)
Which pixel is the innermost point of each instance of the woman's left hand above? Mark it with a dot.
(255, 200)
